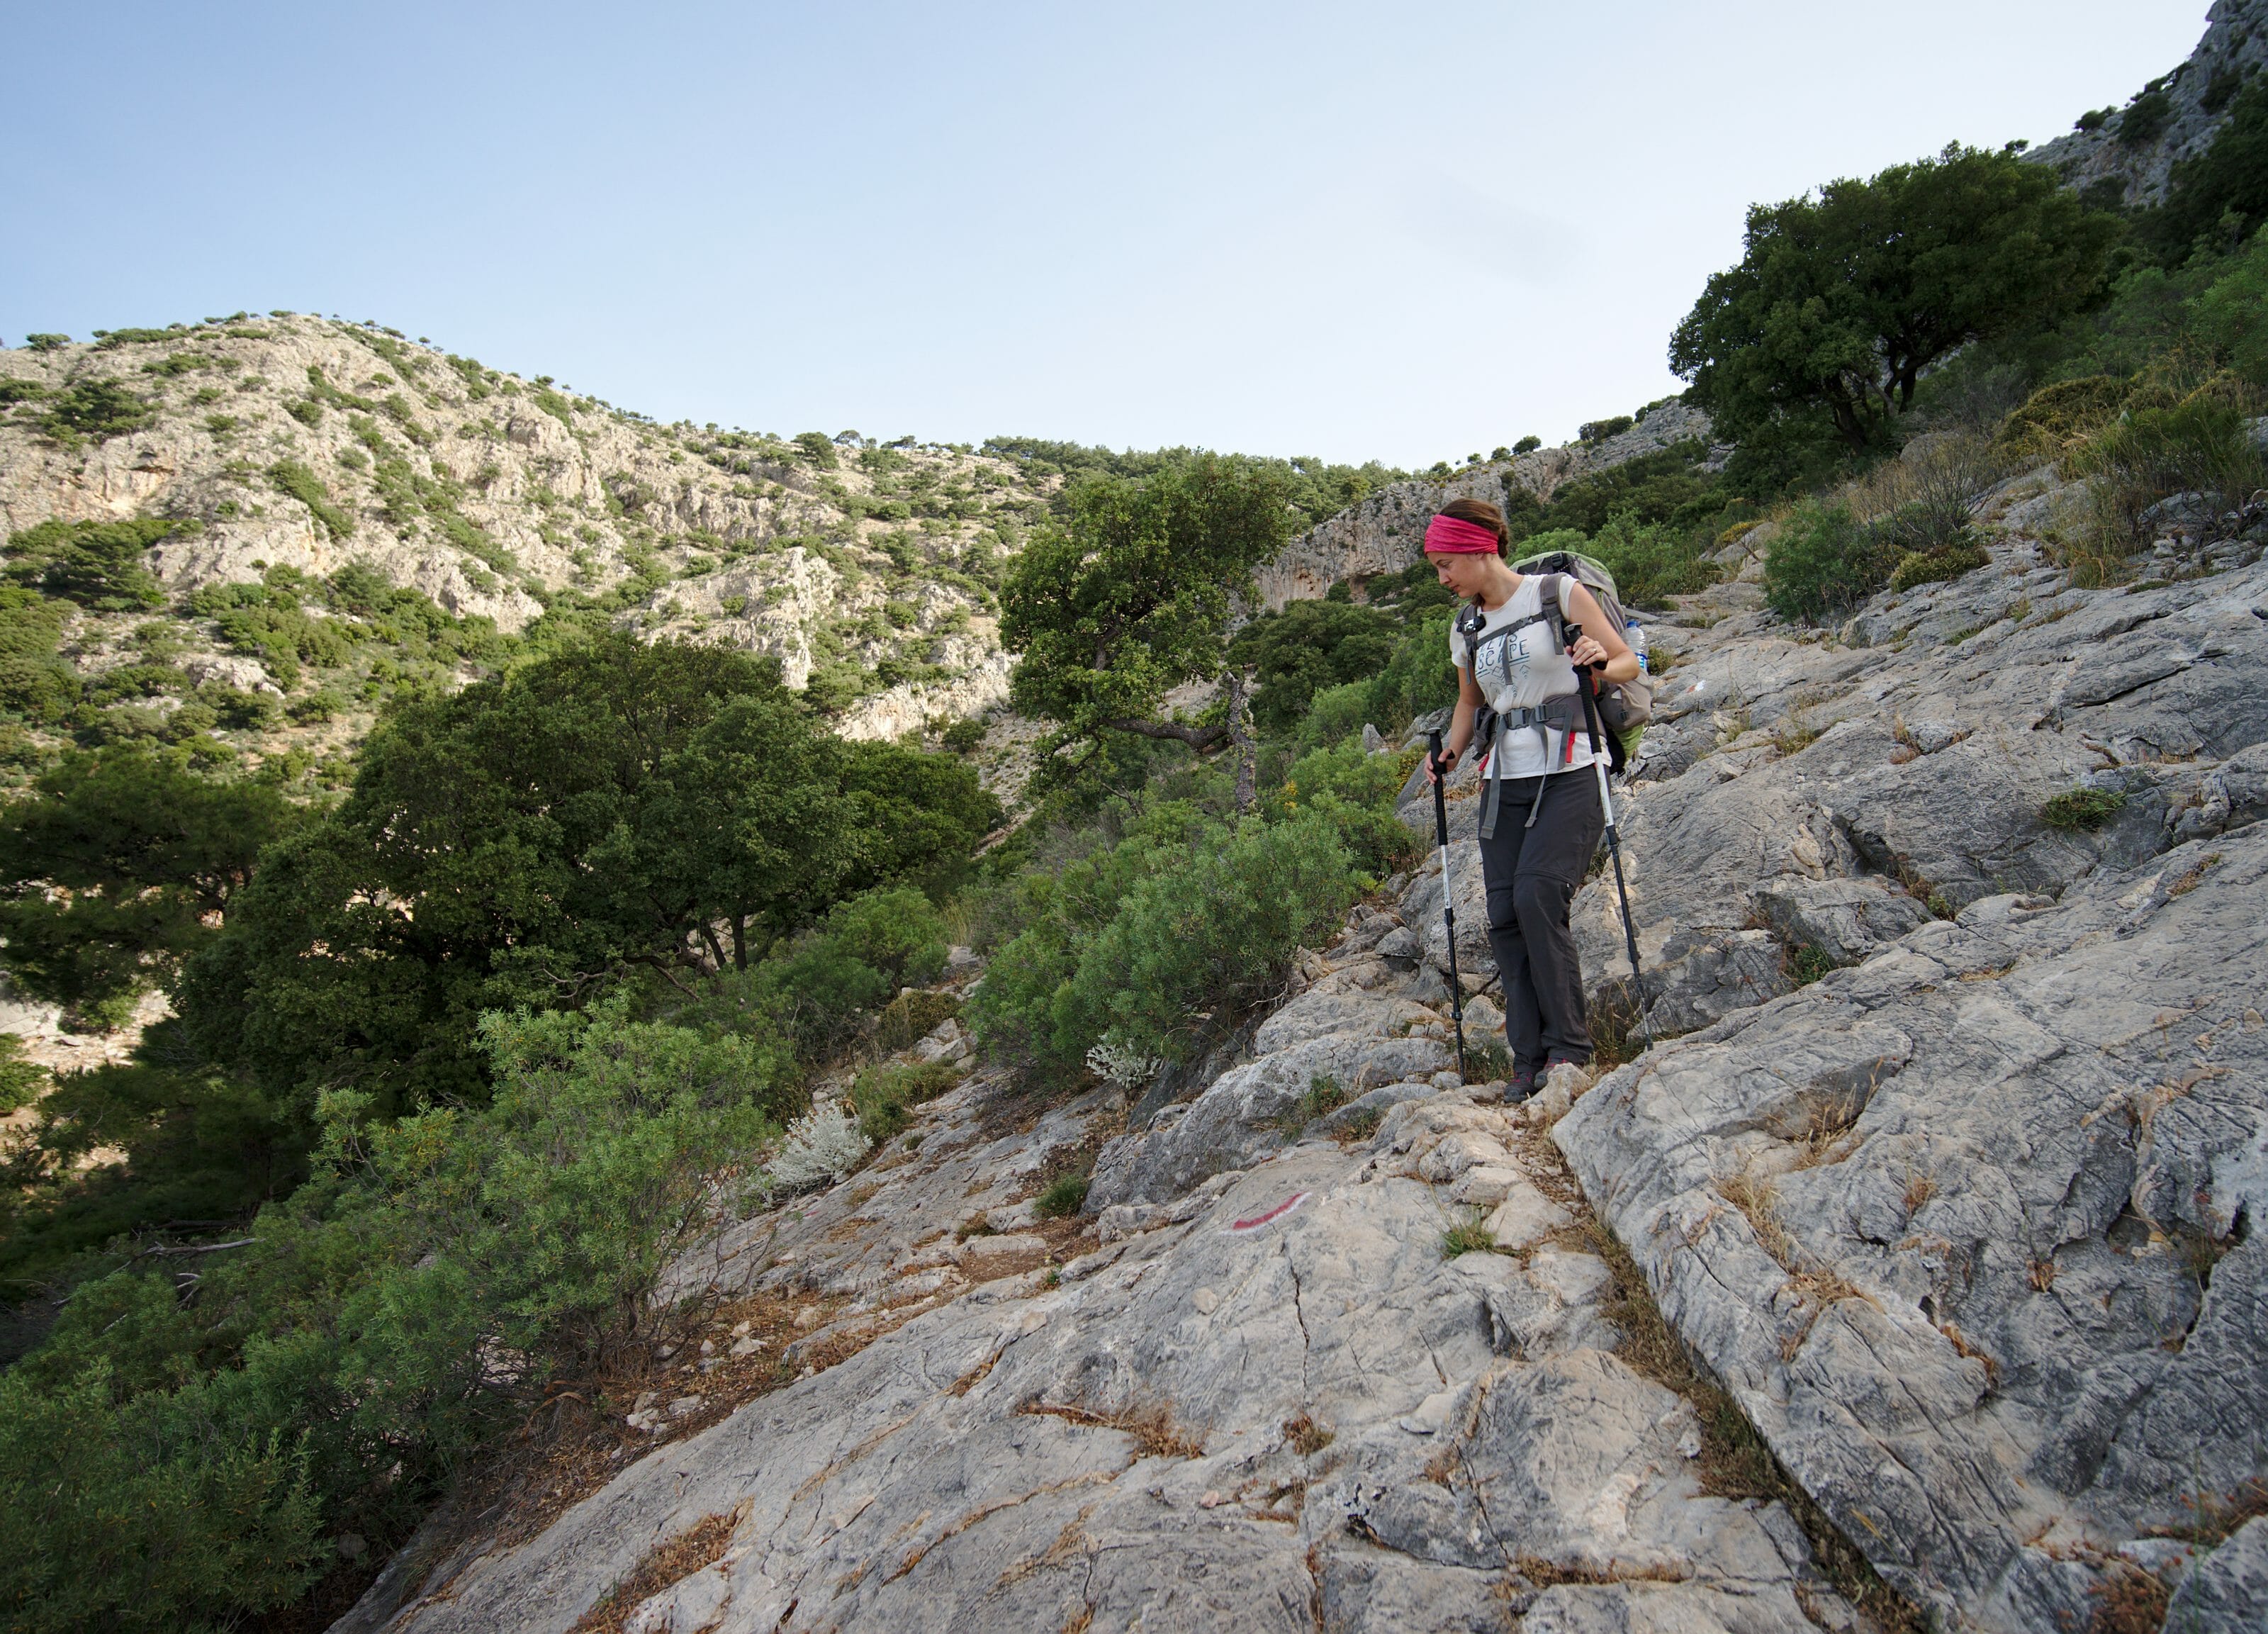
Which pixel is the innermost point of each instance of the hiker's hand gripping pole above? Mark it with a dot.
(1449, 890)
(1587, 686)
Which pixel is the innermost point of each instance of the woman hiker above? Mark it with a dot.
(1539, 809)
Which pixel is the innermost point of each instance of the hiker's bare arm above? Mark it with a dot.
(1601, 641)
(1460, 723)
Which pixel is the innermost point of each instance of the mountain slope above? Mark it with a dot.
(306, 443)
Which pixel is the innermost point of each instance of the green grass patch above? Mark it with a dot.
(2082, 809)
(1065, 1195)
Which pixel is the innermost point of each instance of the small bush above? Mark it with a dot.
(1806, 964)
(1065, 1195)
(292, 478)
(817, 447)
(911, 1017)
(1599, 430)
(822, 1145)
(883, 1097)
(1930, 567)
(1650, 563)
(2083, 809)
(2056, 417)
(2196, 443)
(1822, 564)
(1322, 1097)
(47, 342)
(1526, 445)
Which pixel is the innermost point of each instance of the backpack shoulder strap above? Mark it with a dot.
(1468, 623)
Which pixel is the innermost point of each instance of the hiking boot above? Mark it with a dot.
(1521, 1084)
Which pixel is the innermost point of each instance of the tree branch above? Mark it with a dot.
(1195, 737)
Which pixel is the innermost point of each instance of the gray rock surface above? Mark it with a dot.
(1260, 1400)
(1831, 793)
(1964, 1228)
(2226, 1591)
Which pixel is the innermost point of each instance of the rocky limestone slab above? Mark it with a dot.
(1959, 1226)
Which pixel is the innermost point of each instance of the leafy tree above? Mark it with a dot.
(1307, 647)
(97, 564)
(532, 839)
(1840, 302)
(34, 681)
(917, 816)
(100, 410)
(1130, 597)
(114, 866)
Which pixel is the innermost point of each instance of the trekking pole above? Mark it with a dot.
(1448, 894)
(1607, 805)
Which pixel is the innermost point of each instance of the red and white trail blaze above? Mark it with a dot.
(1277, 1213)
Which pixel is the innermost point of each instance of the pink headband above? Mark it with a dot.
(1455, 536)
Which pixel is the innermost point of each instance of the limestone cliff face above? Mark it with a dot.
(2196, 102)
(1383, 534)
(491, 493)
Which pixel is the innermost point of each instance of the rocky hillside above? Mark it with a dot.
(305, 444)
(1948, 1179)
(2132, 151)
(1384, 533)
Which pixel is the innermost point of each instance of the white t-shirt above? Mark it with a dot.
(1520, 671)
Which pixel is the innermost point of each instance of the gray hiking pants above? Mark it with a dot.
(1532, 874)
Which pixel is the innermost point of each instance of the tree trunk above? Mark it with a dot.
(740, 941)
(1239, 736)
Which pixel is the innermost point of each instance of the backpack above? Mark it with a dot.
(1625, 707)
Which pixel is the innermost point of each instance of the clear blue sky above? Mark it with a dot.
(1408, 232)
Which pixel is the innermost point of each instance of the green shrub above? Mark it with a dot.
(1335, 714)
(2056, 417)
(1822, 564)
(1355, 791)
(47, 342)
(1526, 445)
(2199, 444)
(882, 1096)
(294, 478)
(99, 409)
(1650, 563)
(1322, 1097)
(1065, 1196)
(817, 447)
(97, 564)
(13, 390)
(1931, 566)
(1806, 964)
(2087, 809)
(911, 1017)
(1192, 946)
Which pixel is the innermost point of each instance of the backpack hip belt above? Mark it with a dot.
(1562, 714)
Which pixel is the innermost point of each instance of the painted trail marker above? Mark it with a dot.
(1237, 1228)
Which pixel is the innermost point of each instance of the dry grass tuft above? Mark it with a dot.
(1156, 1433)
(701, 1544)
(1826, 1136)
(1757, 1200)
(1921, 1189)
(2042, 1275)
(2128, 1600)
(1306, 1437)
